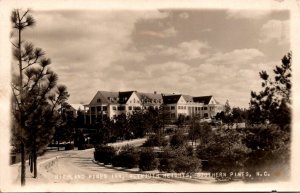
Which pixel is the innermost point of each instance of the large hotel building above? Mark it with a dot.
(113, 104)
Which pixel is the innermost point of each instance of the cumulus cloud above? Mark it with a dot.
(82, 44)
(275, 30)
(188, 50)
(166, 33)
(235, 57)
(184, 15)
(247, 14)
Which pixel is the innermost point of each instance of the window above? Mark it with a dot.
(167, 108)
(130, 108)
(114, 108)
(121, 108)
(154, 100)
(98, 100)
(184, 107)
(172, 108)
(104, 108)
(205, 108)
(137, 108)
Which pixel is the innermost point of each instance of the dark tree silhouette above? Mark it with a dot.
(32, 85)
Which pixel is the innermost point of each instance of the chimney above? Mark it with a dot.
(154, 92)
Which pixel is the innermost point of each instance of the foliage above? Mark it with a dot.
(139, 123)
(127, 158)
(179, 160)
(104, 127)
(166, 165)
(120, 127)
(270, 147)
(155, 140)
(36, 96)
(148, 160)
(201, 131)
(273, 102)
(178, 140)
(187, 164)
(69, 146)
(225, 153)
(104, 154)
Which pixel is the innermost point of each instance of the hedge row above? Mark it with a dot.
(147, 160)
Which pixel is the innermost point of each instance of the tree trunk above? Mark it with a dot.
(34, 163)
(23, 166)
(57, 139)
(31, 162)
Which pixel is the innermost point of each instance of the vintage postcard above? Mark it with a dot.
(149, 95)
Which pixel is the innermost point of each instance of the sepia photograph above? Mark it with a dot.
(141, 96)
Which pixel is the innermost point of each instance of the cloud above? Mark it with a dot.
(82, 44)
(275, 30)
(206, 30)
(247, 14)
(166, 33)
(187, 50)
(171, 67)
(236, 57)
(184, 15)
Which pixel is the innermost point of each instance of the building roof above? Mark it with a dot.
(124, 96)
(188, 98)
(202, 99)
(150, 98)
(77, 106)
(171, 99)
(105, 97)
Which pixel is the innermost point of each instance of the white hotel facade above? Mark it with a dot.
(112, 104)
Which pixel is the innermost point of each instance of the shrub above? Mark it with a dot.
(155, 140)
(81, 147)
(88, 146)
(69, 146)
(128, 158)
(187, 164)
(148, 160)
(166, 165)
(104, 154)
(178, 140)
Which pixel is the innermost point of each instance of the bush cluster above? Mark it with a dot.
(148, 160)
(85, 146)
(178, 160)
(178, 140)
(155, 140)
(181, 160)
(128, 158)
(69, 146)
(104, 154)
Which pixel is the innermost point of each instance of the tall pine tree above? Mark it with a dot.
(33, 84)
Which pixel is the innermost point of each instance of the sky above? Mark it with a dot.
(197, 52)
